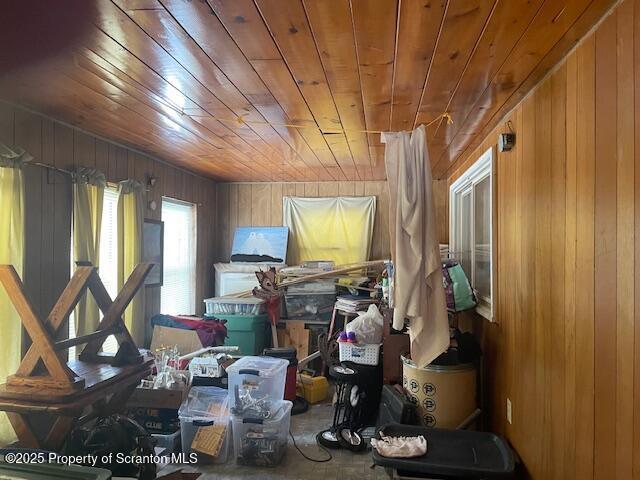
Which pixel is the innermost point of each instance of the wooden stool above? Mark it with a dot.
(347, 316)
(72, 392)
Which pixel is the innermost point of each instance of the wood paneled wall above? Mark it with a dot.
(49, 201)
(255, 204)
(566, 348)
(441, 201)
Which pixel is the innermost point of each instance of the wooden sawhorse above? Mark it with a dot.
(69, 393)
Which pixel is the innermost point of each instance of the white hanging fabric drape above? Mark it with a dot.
(419, 293)
(337, 228)
(11, 253)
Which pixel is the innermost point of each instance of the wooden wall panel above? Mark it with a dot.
(605, 250)
(569, 443)
(585, 252)
(256, 204)
(261, 204)
(625, 209)
(49, 200)
(565, 346)
(557, 232)
(636, 316)
(441, 201)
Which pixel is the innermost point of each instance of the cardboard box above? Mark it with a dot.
(156, 410)
(158, 420)
(187, 341)
(150, 398)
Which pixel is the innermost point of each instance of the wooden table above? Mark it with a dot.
(47, 396)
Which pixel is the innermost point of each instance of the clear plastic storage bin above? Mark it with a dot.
(256, 382)
(205, 424)
(234, 306)
(310, 306)
(169, 442)
(262, 442)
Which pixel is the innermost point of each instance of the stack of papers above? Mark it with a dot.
(351, 303)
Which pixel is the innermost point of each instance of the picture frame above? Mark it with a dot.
(153, 250)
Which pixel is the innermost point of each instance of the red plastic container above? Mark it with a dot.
(288, 353)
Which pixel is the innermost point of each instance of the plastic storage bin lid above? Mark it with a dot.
(288, 353)
(452, 453)
(205, 403)
(317, 287)
(234, 301)
(259, 366)
(282, 409)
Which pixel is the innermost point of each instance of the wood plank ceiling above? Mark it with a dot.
(308, 78)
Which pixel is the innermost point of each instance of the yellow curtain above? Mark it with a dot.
(88, 196)
(130, 227)
(11, 252)
(337, 229)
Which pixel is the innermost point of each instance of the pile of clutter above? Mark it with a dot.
(260, 415)
(361, 338)
(253, 408)
(181, 405)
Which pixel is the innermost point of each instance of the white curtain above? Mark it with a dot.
(11, 253)
(419, 293)
(337, 229)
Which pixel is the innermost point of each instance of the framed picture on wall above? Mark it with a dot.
(153, 250)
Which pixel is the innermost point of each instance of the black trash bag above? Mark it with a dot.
(112, 435)
(464, 348)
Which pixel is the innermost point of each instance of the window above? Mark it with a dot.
(108, 266)
(178, 293)
(471, 217)
(109, 253)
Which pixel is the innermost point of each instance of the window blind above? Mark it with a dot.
(177, 295)
(109, 254)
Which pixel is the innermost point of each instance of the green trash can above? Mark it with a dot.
(251, 333)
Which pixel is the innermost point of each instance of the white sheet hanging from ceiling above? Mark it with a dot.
(419, 294)
(338, 228)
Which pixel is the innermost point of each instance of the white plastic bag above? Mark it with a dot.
(367, 326)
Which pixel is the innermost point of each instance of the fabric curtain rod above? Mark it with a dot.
(51, 167)
(71, 174)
